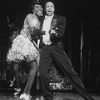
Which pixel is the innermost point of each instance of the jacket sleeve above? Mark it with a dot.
(61, 27)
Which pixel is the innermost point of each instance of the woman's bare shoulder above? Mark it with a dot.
(29, 15)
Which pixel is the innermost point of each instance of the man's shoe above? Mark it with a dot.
(89, 98)
(42, 98)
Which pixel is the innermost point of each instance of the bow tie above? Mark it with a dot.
(46, 17)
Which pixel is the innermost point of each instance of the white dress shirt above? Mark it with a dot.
(46, 28)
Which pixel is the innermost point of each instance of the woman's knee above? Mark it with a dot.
(34, 65)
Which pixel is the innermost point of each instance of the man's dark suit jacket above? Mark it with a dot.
(58, 23)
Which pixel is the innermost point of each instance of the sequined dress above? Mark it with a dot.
(22, 46)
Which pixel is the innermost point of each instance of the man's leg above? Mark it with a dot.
(45, 62)
(64, 64)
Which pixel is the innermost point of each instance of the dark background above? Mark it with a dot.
(83, 19)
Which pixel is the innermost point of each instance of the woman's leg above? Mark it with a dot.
(32, 74)
(10, 73)
(17, 77)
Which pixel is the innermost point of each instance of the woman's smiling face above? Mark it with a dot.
(38, 9)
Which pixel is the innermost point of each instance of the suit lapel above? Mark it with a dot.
(53, 22)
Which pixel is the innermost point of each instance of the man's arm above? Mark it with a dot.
(58, 32)
(61, 27)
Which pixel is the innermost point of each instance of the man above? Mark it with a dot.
(52, 49)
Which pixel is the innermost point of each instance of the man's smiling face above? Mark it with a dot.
(49, 8)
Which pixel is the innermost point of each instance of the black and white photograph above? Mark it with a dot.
(49, 50)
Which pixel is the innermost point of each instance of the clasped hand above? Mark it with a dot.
(53, 31)
(38, 33)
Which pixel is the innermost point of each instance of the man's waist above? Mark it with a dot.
(47, 42)
(50, 44)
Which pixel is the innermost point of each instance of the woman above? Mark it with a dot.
(13, 68)
(24, 48)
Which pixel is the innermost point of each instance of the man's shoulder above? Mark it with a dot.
(60, 16)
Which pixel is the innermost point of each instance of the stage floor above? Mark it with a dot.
(57, 96)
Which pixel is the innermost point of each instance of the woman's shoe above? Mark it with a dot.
(12, 82)
(25, 97)
(17, 91)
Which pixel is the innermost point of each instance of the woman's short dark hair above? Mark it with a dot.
(38, 2)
